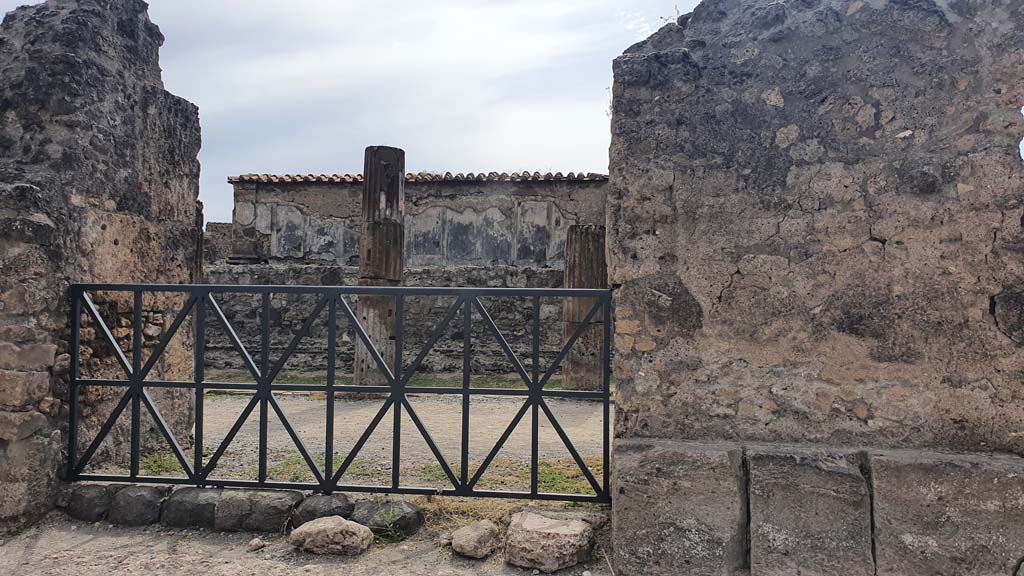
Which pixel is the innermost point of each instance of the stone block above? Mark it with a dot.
(22, 388)
(939, 515)
(678, 508)
(137, 505)
(546, 544)
(810, 513)
(319, 506)
(191, 507)
(91, 502)
(27, 357)
(389, 518)
(20, 425)
(255, 510)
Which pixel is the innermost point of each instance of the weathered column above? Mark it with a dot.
(381, 257)
(585, 267)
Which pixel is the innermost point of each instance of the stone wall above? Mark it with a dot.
(460, 221)
(288, 313)
(815, 218)
(98, 182)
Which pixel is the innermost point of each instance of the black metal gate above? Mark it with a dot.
(199, 300)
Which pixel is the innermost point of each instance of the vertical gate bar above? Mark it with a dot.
(606, 360)
(75, 345)
(467, 307)
(535, 395)
(264, 387)
(397, 393)
(199, 360)
(332, 341)
(136, 382)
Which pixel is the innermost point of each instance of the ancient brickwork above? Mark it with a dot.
(455, 222)
(815, 218)
(98, 182)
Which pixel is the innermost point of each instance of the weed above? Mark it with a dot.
(160, 465)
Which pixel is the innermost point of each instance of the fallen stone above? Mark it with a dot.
(395, 519)
(331, 535)
(478, 540)
(191, 507)
(547, 544)
(810, 513)
(596, 518)
(255, 510)
(948, 514)
(319, 506)
(137, 505)
(90, 502)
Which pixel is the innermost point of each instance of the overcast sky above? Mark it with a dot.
(302, 86)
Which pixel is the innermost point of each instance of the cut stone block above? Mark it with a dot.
(547, 544)
(810, 513)
(137, 505)
(319, 506)
(255, 510)
(948, 515)
(388, 517)
(90, 502)
(678, 508)
(191, 507)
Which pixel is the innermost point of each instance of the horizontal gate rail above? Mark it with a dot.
(199, 301)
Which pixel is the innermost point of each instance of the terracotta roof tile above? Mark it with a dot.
(423, 177)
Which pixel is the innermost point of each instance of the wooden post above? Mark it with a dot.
(585, 267)
(381, 257)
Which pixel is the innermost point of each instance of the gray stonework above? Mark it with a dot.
(422, 313)
(448, 223)
(815, 224)
(83, 198)
(702, 508)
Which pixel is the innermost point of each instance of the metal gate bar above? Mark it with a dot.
(200, 300)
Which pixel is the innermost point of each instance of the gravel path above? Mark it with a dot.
(441, 416)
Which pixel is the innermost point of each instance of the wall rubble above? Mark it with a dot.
(815, 221)
(98, 181)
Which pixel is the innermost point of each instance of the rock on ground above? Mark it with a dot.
(389, 518)
(478, 540)
(319, 506)
(332, 535)
(547, 544)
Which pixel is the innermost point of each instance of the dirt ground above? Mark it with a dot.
(61, 546)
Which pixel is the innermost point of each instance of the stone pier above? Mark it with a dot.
(815, 224)
(99, 180)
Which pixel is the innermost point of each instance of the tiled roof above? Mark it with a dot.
(423, 177)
